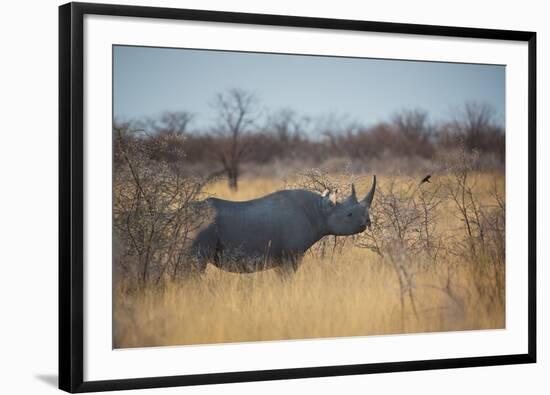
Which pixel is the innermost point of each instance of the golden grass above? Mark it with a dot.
(354, 294)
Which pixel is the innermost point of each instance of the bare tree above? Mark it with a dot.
(475, 124)
(415, 132)
(287, 125)
(237, 112)
(169, 122)
(174, 122)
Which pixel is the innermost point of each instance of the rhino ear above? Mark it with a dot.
(334, 196)
(328, 199)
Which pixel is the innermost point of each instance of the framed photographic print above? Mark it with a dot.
(251, 197)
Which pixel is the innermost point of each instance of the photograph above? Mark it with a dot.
(284, 196)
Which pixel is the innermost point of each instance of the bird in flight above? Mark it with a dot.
(426, 179)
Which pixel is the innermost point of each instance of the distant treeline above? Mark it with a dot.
(242, 138)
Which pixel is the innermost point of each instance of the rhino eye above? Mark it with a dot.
(349, 214)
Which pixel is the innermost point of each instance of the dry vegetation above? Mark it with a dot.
(343, 289)
(434, 259)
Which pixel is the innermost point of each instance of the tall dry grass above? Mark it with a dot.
(349, 291)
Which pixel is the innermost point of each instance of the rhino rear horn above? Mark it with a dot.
(353, 195)
(368, 199)
(352, 198)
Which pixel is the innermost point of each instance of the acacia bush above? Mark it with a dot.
(483, 238)
(408, 223)
(155, 209)
(414, 230)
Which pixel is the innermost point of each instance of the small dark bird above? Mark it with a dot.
(426, 179)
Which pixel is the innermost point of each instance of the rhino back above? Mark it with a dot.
(274, 225)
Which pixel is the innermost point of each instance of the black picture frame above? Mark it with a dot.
(71, 204)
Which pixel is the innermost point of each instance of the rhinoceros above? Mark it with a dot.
(276, 230)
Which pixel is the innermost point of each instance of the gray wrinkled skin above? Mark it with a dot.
(275, 231)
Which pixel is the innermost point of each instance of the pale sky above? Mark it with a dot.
(149, 81)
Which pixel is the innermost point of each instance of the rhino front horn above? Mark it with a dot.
(368, 199)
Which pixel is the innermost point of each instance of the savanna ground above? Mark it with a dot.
(433, 261)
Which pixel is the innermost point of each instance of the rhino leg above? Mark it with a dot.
(203, 250)
(289, 265)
